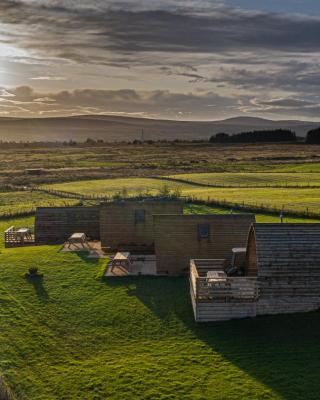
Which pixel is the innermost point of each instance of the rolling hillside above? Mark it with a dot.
(111, 128)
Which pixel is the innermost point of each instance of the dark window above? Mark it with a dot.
(139, 216)
(203, 231)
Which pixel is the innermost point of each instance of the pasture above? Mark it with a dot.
(291, 199)
(25, 202)
(62, 163)
(76, 335)
(263, 179)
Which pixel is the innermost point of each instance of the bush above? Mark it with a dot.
(33, 272)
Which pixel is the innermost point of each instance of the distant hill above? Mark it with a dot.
(115, 128)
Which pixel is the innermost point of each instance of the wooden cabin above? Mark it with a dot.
(179, 238)
(281, 275)
(128, 225)
(285, 259)
(54, 225)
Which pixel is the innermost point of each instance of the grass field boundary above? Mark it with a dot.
(239, 186)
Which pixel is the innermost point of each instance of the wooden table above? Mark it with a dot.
(24, 233)
(122, 260)
(76, 239)
(216, 277)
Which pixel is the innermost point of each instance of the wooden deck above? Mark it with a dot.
(141, 265)
(216, 300)
(14, 237)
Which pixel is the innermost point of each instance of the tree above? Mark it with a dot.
(313, 136)
(90, 141)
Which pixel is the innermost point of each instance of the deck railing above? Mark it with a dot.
(229, 289)
(13, 238)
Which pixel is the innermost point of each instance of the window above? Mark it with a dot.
(203, 231)
(139, 216)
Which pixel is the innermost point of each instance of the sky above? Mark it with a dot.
(169, 59)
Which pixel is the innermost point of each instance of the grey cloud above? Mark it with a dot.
(69, 31)
(289, 103)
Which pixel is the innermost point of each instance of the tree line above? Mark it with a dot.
(275, 135)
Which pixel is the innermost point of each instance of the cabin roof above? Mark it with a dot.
(286, 248)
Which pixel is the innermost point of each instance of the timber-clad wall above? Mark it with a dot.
(120, 231)
(177, 240)
(53, 225)
(287, 257)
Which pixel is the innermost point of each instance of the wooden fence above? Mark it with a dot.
(232, 289)
(284, 185)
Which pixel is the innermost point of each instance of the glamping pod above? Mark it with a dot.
(280, 275)
(285, 258)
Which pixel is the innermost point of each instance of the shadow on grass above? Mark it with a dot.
(84, 257)
(37, 283)
(282, 352)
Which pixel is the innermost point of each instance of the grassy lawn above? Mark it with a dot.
(74, 335)
(253, 179)
(19, 202)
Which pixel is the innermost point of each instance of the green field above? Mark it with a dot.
(295, 200)
(260, 217)
(292, 199)
(110, 187)
(12, 203)
(252, 179)
(74, 335)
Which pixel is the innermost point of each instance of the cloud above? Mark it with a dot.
(219, 58)
(25, 101)
(48, 78)
(158, 103)
(93, 32)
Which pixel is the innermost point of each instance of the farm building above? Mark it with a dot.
(281, 275)
(128, 226)
(179, 238)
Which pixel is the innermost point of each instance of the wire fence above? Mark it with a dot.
(284, 185)
(210, 202)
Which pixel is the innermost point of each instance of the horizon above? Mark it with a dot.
(169, 60)
(163, 119)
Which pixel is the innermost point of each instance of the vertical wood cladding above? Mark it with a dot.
(179, 238)
(129, 225)
(56, 224)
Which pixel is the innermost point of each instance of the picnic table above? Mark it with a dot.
(122, 260)
(76, 239)
(216, 277)
(24, 233)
